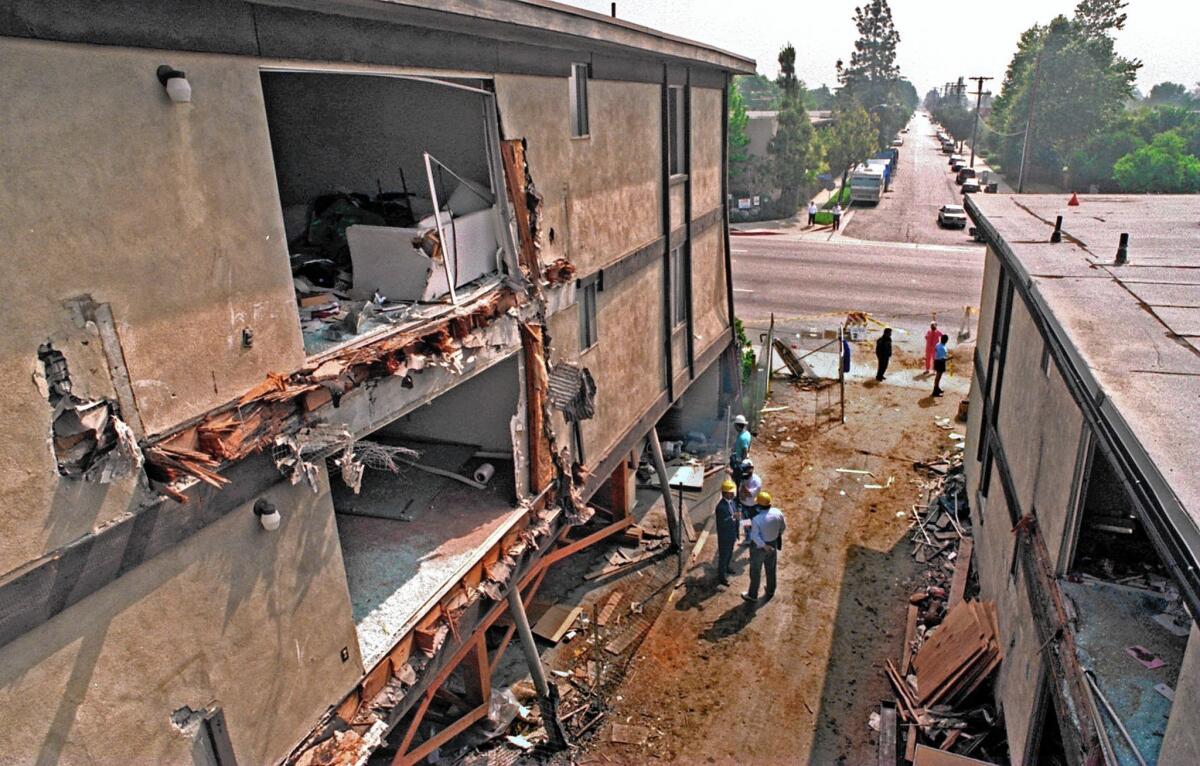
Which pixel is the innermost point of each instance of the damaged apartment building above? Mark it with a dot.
(1082, 472)
(328, 322)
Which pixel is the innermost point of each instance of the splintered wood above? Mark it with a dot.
(959, 655)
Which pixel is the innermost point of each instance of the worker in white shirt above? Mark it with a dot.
(766, 540)
(748, 490)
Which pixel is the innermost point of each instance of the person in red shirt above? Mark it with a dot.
(931, 340)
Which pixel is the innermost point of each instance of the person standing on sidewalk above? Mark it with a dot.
(939, 364)
(837, 217)
(727, 530)
(812, 212)
(931, 341)
(883, 352)
(766, 536)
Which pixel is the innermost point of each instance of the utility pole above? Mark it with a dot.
(1037, 75)
(978, 101)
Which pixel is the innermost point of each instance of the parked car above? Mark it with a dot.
(948, 148)
(956, 158)
(957, 165)
(970, 186)
(952, 217)
(897, 141)
(963, 175)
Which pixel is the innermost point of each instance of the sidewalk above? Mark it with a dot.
(796, 225)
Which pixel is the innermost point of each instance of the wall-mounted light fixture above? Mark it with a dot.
(268, 514)
(175, 81)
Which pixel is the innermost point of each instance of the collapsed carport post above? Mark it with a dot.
(547, 694)
(673, 522)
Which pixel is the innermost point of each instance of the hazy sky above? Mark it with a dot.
(938, 40)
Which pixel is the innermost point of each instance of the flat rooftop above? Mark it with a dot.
(1136, 327)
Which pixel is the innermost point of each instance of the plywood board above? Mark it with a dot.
(557, 620)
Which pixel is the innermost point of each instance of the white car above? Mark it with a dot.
(897, 141)
(952, 217)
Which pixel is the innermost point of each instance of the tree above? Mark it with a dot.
(1169, 93)
(1082, 87)
(792, 148)
(738, 151)
(850, 138)
(758, 92)
(872, 77)
(874, 57)
(1163, 166)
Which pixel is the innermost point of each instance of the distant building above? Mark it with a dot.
(1081, 464)
(758, 182)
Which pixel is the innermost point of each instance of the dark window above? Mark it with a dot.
(679, 301)
(675, 124)
(1045, 358)
(579, 100)
(587, 316)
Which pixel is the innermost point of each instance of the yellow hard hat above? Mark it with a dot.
(728, 486)
(764, 498)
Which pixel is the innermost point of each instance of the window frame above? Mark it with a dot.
(586, 299)
(676, 122)
(578, 99)
(679, 299)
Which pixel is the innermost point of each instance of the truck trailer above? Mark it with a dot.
(866, 184)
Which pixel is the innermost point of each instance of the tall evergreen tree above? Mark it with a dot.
(792, 149)
(872, 77)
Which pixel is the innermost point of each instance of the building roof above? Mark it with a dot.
(1133, 330)
(817, 117)
(539, 17)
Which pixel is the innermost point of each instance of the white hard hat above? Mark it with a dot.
(740, 420)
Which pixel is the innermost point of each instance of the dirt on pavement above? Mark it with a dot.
(794, 679)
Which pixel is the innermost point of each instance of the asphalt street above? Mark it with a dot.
(891, 260)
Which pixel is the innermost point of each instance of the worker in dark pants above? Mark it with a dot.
(747, 491)
(939, 364)
(766, 540)
(727, 529)
(883, 353)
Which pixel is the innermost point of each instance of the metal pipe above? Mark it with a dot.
(517, 609)
(1113, 714)
(660, 467)
(547, 694)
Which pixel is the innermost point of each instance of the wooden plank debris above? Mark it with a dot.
(961, 566)
(887, 734)
(910, 635)
(610, 606)
(557, 620)
(929, 756)
(628, 735)
(958, 655)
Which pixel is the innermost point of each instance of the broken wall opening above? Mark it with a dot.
(355, 156)
(414, 527)
(1131, 625)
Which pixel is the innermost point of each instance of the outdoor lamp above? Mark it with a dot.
(268, 514)
(175, 81)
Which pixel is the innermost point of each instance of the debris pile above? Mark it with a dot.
(951, 644)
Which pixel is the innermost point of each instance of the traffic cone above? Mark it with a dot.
(1074, 201)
